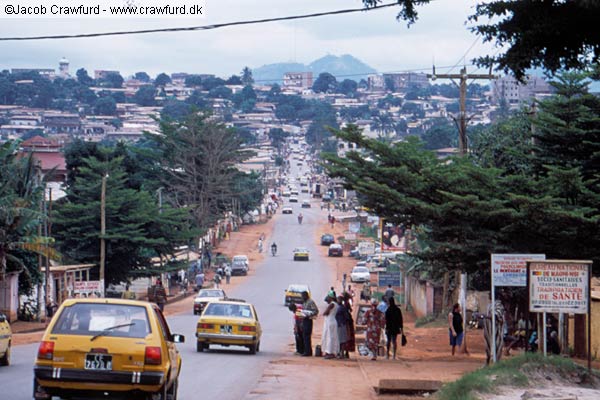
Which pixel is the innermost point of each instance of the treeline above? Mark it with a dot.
(161, 193)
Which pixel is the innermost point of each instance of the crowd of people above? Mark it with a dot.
(338, 336)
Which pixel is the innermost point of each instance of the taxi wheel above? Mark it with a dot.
(172, 393)
(257, 347)
(4, 361)
(253, 348)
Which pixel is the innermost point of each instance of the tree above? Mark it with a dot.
(274, 93)
(175, 110)
(285, 112)
(197, 100)
(220, 92)
(247, 94)
(20, 196)
(197, 160)
(348, 87)
(277, 136)
(247, 78)
(145, 96)
(83, 77)
(212, 82)
(234, 80)
(193, 80)
(112, 80)
(136, 230)
(142, 77)
(441, 135)
(162, 79)
(105, 106)
(325, 83)
(33, 133)
(384, 124)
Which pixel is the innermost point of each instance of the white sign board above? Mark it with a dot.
(559, 287)
(511, 269)
(88, 287)
(366, 248)
(350, 236)
(354, 227)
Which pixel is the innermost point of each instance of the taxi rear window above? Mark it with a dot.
(228, 310)
(118, 320)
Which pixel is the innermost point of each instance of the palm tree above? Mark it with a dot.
(20, 193)
(384, 124)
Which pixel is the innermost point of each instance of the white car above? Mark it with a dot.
(293, 199)
(287, 210)
(360, 274)
(241, 258)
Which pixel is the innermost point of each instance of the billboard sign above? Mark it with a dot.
(559, 286)
(366, 248)
(511, 269)
(392, 237)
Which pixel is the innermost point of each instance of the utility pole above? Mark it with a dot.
(462, 119)
(102, 232)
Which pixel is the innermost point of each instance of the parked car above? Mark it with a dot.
(229, 323)
(5, 340)
(360, 274)
(305, 204)
(335, 250)
(293, 294)
(107, 348)
(287, 210)
(301, 253)
(205, 296)
(327, 239)
(293, 199)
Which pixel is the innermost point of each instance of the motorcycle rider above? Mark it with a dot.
(300, 218)
(274, 248)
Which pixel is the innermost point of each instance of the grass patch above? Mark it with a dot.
(510, 372)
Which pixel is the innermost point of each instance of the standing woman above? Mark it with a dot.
(455, 327)
(330, 343)
(375, 323)
(393, 326)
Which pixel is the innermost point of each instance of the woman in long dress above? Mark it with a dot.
(330, 342)
(375, 323)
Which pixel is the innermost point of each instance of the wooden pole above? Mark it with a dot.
(102, 232)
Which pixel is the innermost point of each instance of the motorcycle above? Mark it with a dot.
(273, 250)
(477, 320)
(300, 219)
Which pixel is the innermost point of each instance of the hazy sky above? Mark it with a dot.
(440, 34)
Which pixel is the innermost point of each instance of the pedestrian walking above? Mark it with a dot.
(199, 280)
(375, 322)
(331, 292)
(350, 292)
(309, 312)
(344, 277)
(330, 343)
(296, 309)
(128, 294)
(389, 292)
(332, 221)
(455, 327)
(216, 281)
(343, 317)
(160, 295)
(393, 326)
(260, 245)
(227, 274)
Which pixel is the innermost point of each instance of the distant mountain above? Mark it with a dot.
(342, 67)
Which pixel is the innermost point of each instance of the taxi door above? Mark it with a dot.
(172, 350)
(4, 333)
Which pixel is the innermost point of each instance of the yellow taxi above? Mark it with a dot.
(293, 293)
(107, 347)
(301, 253)
(5, 340)
(228, 323)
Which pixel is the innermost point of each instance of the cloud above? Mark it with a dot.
(374, 37)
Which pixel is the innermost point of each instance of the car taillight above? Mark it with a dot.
(153, 356)
(46, 350)
(247, 328)
(206, 326)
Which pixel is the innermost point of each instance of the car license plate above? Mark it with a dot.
(101, 362)
(226, 329)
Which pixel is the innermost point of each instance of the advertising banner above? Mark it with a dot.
(88, 288)
(559, 286)
(366, 248)
(392, 237)
(511, 269)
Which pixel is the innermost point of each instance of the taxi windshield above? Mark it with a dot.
(228, 310)
(122, 320)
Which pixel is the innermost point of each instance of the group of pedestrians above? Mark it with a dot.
(384, 315)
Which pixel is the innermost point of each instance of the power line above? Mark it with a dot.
(199, 28)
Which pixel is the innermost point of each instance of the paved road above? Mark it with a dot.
(228, 373)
